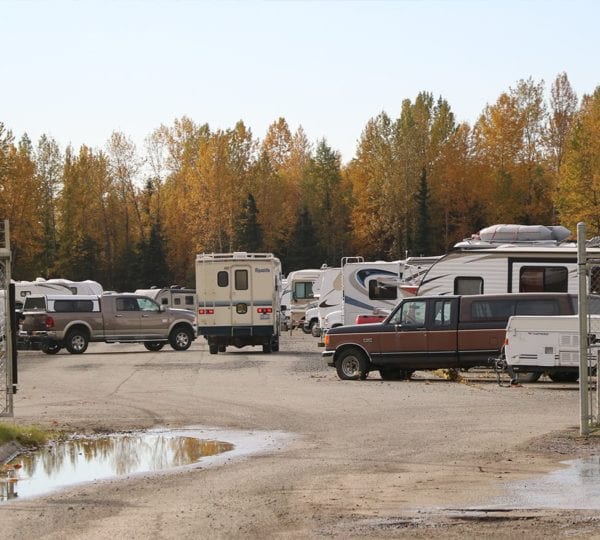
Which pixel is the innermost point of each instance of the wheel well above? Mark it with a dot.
(179, 325)
(349, 347)
(81, 327)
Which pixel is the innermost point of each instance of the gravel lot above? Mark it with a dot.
(371, 459)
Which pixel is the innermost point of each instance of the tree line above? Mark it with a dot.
(132, 218)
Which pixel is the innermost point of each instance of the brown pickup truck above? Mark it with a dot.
(73, 321)
(424, 333)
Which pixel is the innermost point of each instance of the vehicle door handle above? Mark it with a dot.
(118, 315)
(145, 316)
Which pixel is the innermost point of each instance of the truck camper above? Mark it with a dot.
(328, 293)
(239, 298)
(301, 284)
(507, 259)
(174, 296)
(23, 289)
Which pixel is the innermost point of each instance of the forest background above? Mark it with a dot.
(134, 218)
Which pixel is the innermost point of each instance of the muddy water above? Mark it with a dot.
(91, 459)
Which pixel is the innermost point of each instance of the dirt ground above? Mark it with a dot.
(371, 459)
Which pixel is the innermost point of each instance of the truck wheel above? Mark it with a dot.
(181, 338)
(222, 348)
(352, 365)
(267, 347)
(51, 347)
(154, 345)
(213, 348)
(76, 342)
(275, 343)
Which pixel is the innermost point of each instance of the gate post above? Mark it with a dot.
(583, 329)
(6, 325)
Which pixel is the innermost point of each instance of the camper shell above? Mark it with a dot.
(239, 300)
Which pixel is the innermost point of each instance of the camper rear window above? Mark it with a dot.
(223, 279)
(492, 310)
(241, 280)
(468, 285)
(537, 307)
(543, 279)
(73, 306)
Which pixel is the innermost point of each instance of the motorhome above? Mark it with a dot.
(507, 258)
(328, 292)
(174, 296)
(239, 300)
(301, 284)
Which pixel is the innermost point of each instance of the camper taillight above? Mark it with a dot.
(203, 311)
(264, 310)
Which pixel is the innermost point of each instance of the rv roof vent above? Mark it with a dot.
(240, 254)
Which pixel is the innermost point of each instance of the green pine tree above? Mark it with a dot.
(303, 250)
(422, 242)
(248, 234)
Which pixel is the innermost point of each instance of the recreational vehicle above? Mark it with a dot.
(174, 297)
(487, 264)
(301, 283)
(328, 291)
(42, 286)
(239, 300)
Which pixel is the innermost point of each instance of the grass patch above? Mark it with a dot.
(25, 435)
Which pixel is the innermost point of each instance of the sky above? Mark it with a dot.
(77, 71)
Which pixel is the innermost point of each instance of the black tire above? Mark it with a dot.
(564, 376)
(213, 348)
(181, 338)
(76, 341)
(154, 346)
(529, 376)
(394, 374)
(267, 347)
(51, 347)
(275, 343)
(222, 348)
(352, 365)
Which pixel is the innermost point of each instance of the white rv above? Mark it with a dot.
(174, 297)
(41, 286)
(328, 292)
(507, 258)
(301, 283)
(544, 344)
(239, 300)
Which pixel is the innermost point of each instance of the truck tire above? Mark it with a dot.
(275, 343)
(267, 347)
(352, 365)
(213, 348)
(181, 338)
(76, 341)
(154, 346)
(51, 347)
(564, 376)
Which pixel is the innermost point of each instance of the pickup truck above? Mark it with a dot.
(73, 321)
(438, 332)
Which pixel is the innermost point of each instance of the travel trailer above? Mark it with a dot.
(239, 300)
(174, 297)
(507, 258)
(23, 289)
(545, 344)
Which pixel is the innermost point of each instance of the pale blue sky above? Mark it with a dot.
(79, 70)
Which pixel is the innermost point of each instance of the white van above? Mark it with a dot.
(239, 298)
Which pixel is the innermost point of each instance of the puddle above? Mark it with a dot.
(576, 487)
(91, 459)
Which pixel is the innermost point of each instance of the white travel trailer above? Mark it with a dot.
(174, 297)
(544, 344)
(486, 265)
(239, 300)
(301, 284)
(42, 286)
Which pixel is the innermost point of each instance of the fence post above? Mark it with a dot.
(583, 330)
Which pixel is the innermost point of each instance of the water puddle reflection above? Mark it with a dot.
(576, 487)
(88, 459)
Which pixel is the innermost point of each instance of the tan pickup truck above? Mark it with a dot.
(73, 321)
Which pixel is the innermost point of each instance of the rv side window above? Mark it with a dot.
(176, 301)
(165, 301)
(595, 280)
(223, 279)
(380, 291)
(303, 290)
(442, 313)
(189, 300)
(543, 279)
(537, 307)
(241, 280)
(492, 310)
(468, 285)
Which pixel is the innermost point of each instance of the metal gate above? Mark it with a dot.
(7, 382)
(589, 331)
